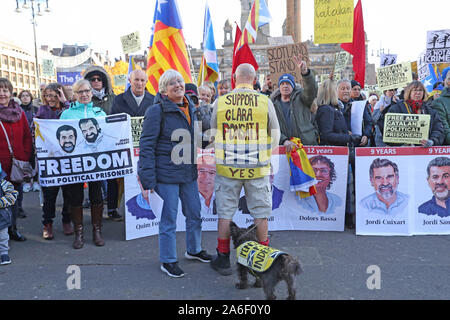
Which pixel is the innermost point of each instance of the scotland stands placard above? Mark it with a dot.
(83, 150)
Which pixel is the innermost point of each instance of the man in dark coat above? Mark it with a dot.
(135, 102)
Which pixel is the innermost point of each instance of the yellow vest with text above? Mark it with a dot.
(257, 257)
(242, 144)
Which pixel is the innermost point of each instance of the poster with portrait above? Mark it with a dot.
(83, 150)
(141, 216)
(401, 191)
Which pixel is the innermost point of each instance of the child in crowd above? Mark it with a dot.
(8, 197)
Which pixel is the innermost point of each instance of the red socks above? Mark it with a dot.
(265, 243)
(223, 245)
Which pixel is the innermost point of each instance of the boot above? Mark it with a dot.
(77, 218)
(47, 231)
(96, 218)
(67, 229)
(221, 263)
(14, 234)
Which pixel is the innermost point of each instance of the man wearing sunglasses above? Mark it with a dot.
(103, 95)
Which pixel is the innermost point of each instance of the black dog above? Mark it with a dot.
(285, 267)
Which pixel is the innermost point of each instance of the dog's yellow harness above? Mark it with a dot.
(256, 257)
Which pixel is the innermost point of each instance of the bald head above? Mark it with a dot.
(245, 73)
(138, 81)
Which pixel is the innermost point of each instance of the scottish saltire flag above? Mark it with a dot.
(167, 46)
(431, 79)
(303, 178)
(131, 67)
(209, 69)
(259, 16)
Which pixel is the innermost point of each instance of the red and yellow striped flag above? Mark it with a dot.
(167, 46)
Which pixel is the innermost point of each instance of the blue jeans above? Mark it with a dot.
(190, 204)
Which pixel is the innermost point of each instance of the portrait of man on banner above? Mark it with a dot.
(94, 139)
(438, 178)
(206, 166)
(386, 200)
(67, 140)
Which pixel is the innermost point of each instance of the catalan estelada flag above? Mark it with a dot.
(259, 16)
(303, 178)
(209, 69)
(167, 46)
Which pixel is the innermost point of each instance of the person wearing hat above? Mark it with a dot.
(356, 94)
(442, 105)
(103, 95)
(293, 107)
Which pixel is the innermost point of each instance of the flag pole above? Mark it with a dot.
(193, 73)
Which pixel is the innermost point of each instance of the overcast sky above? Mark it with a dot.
(397, 25)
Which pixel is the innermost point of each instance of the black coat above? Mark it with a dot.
(156, 145)
(125, 103)
(332, 125)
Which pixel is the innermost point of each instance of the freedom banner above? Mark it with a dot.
(83, 150)
(402, 191)
(406, 128)
(333, 21)
(394, 76)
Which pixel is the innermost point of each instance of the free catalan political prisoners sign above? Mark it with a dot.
(83, 150)
(406, 128)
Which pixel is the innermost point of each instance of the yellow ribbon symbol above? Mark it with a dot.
(37, 131)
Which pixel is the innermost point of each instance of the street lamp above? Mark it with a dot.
(26, 5)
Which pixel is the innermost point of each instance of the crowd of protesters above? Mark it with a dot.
(317, 114)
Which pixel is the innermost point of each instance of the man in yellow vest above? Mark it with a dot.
(246, 129)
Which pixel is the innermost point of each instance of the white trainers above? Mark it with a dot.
(27, 187)
(36, 186)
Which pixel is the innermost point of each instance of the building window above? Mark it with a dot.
(25, 66)
(19, 64)
(32, 67)
(27, 81)
(20, 80)
(12, 63)
(5, 60)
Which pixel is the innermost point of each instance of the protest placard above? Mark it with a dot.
(438, 46)
(67, 154)
(136, 130)
(387, 59)
(397, 192)
(394, 76)
(281, 61)
(120, 80)
(131, 42)
(48, 69)
(333, 21)
(406, 128)
(340, 61)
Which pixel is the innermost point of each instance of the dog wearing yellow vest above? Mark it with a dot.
(268, 265)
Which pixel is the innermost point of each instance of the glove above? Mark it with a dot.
(355, 140)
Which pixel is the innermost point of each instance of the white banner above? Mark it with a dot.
(289, 212)
(83, 150)
(402, 191)
(438, 46)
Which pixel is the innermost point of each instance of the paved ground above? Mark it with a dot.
(335, 266)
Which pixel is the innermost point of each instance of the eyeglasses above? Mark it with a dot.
(416, 90)
(50, 96)
(322, 171)
(175, 82)
(80, 92)
(93, 79)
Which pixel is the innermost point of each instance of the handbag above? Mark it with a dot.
(20, 170)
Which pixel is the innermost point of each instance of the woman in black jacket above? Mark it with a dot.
(414, 103)
(333, 129)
